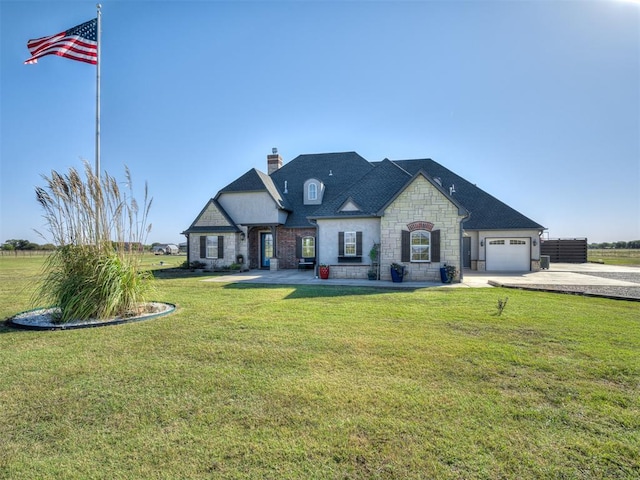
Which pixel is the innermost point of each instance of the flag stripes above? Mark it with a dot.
(78, 43)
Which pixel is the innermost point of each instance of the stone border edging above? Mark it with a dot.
(76, 325)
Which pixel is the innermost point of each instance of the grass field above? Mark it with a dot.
(627, 256)
(322, 382)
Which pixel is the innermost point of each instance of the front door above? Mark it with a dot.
(466, 252)
(266, 249)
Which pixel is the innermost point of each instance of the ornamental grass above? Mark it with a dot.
(100, 231)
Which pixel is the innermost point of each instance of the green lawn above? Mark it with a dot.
(323, 382)
(623, 256)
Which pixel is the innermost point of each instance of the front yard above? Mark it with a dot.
(324, 382)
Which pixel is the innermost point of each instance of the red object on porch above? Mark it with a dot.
(324, 271)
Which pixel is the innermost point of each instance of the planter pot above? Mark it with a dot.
(396, 276)
(444, 276)
(372, 276)
(323, 272)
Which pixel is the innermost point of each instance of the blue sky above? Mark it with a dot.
(536, 102)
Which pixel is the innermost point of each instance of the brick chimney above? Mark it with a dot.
(274, 161)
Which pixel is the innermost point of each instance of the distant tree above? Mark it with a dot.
(21, 244)
(7, 247)
(616, 245)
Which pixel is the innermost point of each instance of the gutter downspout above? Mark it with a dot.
(315, 222)
(462, 220)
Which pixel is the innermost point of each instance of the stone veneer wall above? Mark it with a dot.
(211, 217)
(230, 249)
(420, 201)
(348, 271)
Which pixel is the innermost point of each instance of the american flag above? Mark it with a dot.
(78, 43)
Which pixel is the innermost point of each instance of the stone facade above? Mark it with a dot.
(231, 249)
(348, 271)
(421, 201)
(211, 216)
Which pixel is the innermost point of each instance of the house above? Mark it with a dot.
(333, 208)
(165, 249)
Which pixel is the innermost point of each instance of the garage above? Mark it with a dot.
(508, 254)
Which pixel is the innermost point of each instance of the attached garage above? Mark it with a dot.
(508, 254)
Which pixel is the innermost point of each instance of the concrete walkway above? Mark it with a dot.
(560, 274)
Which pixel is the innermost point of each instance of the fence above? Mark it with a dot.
(565, 250)
(24, 253)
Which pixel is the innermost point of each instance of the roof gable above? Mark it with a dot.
(256, 181)
(350, 206)
(336, 171)
(370, 192)
(487, 212)
(212, 218)
(421, 173)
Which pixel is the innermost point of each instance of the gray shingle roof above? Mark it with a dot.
(370, 192)
(256, 181)
(487, 212)
(370, 185)
(337, 171)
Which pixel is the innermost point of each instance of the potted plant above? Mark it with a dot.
(323, 271)
(372, 274)
(448, 273)
(373, 253)
(397, 272)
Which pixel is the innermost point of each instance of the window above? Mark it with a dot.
(308, 247)
(420, 246)
(349, 244)
(313, 191)
(496, 242)
(517, 242)
(212, 247)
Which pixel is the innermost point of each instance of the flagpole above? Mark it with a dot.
(99, 32)
(98, 62)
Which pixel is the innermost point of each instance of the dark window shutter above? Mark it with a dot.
(203, 247)
(220, 246)
(435, 246)
(298, 247)
(341, 244)
(405, 255)
(359, 244)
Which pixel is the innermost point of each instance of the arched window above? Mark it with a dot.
(313, 191)
(420, 246)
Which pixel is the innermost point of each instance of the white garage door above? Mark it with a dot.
(508, 254)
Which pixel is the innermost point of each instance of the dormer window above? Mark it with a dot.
(313, 192)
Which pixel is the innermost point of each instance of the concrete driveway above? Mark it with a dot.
(584, 278)
(613, 281)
